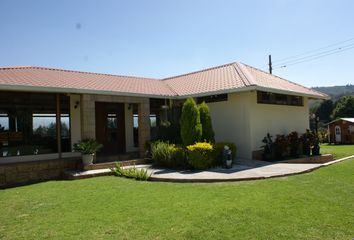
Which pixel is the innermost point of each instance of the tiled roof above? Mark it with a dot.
(39, 77)
(234, 77)
(221, 79)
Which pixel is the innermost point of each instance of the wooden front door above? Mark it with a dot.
(110, 127)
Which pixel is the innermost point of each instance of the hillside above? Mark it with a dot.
(336, 91)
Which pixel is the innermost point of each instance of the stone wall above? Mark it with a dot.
(14, 174)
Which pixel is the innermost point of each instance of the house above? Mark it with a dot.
(341, 131)
(120, 111)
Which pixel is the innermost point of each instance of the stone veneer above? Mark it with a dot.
(88, 121)
(14, 174)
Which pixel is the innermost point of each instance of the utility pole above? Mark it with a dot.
(270, 64)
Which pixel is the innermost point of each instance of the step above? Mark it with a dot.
(113, 164)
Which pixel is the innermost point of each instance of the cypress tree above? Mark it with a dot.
(205, 120)
(191, 129)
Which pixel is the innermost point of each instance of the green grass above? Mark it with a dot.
(338, 151)
(317, 205)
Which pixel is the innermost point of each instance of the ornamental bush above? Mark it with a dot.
(200, 155)
(165, 154)
(191, 129)
(162, 153)
(205, 120)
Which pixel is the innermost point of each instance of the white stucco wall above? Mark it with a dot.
(129, 138)
(276, 119)
(231, 122)
(242, 121)
(75, 118)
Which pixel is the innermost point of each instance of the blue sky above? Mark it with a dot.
(161, 38)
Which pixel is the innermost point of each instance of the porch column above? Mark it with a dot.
(88, 120)
(144, 126)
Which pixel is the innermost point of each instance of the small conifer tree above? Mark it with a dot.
(205, 120)
(191, 129)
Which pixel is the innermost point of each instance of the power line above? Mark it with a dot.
(314, 50)
(316, 57)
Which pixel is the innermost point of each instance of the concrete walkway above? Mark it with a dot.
(242, 170)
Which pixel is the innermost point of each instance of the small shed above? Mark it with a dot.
(341, 131)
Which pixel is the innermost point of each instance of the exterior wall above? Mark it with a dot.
(347, 136)
(23, 173)
(243, 121)
(231, 122)
(276, 119)
(75, 118)
(88, 124)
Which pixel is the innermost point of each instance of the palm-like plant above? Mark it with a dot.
(87, 146)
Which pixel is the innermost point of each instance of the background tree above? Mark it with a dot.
(325, 110)
(191, 129)
(344, 107)
(205, 120)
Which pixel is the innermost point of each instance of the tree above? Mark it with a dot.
(205, 120)
(191, 129)
(325, 110)
(344, 107)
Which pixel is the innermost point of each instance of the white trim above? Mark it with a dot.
(77, 91)
(126, 94)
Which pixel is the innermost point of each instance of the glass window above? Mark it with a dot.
(279, 99)
(112, 120)
(28, 123)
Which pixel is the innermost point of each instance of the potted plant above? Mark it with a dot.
(87, 147)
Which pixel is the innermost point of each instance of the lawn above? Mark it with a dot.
(316, 205)
(338, 151)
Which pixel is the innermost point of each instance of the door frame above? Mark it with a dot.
(337, 133)
(102, 109)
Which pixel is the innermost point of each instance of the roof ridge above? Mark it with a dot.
(284, 79)
(74, 71)
(246, 75)
(202, 70)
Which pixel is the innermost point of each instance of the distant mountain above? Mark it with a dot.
(337, 92)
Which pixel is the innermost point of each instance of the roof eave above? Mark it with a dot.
(79, 91)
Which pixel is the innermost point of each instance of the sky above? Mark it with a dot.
(163, 38)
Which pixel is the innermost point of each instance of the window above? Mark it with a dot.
(351, 129)
(279, 99)
(212, 98)
(28, 124)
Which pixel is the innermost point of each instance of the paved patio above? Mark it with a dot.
(241, 170)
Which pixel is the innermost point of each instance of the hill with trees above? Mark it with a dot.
(336, 92)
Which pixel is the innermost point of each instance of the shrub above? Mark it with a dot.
(281, 145)
(294, 144)
(205, 120)
(218, 152)
(165, 154)
(268, 148)
(308, 141)
(191, 129)
(162, 153)
(180, 158)
(200, 155)
(131, 172)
